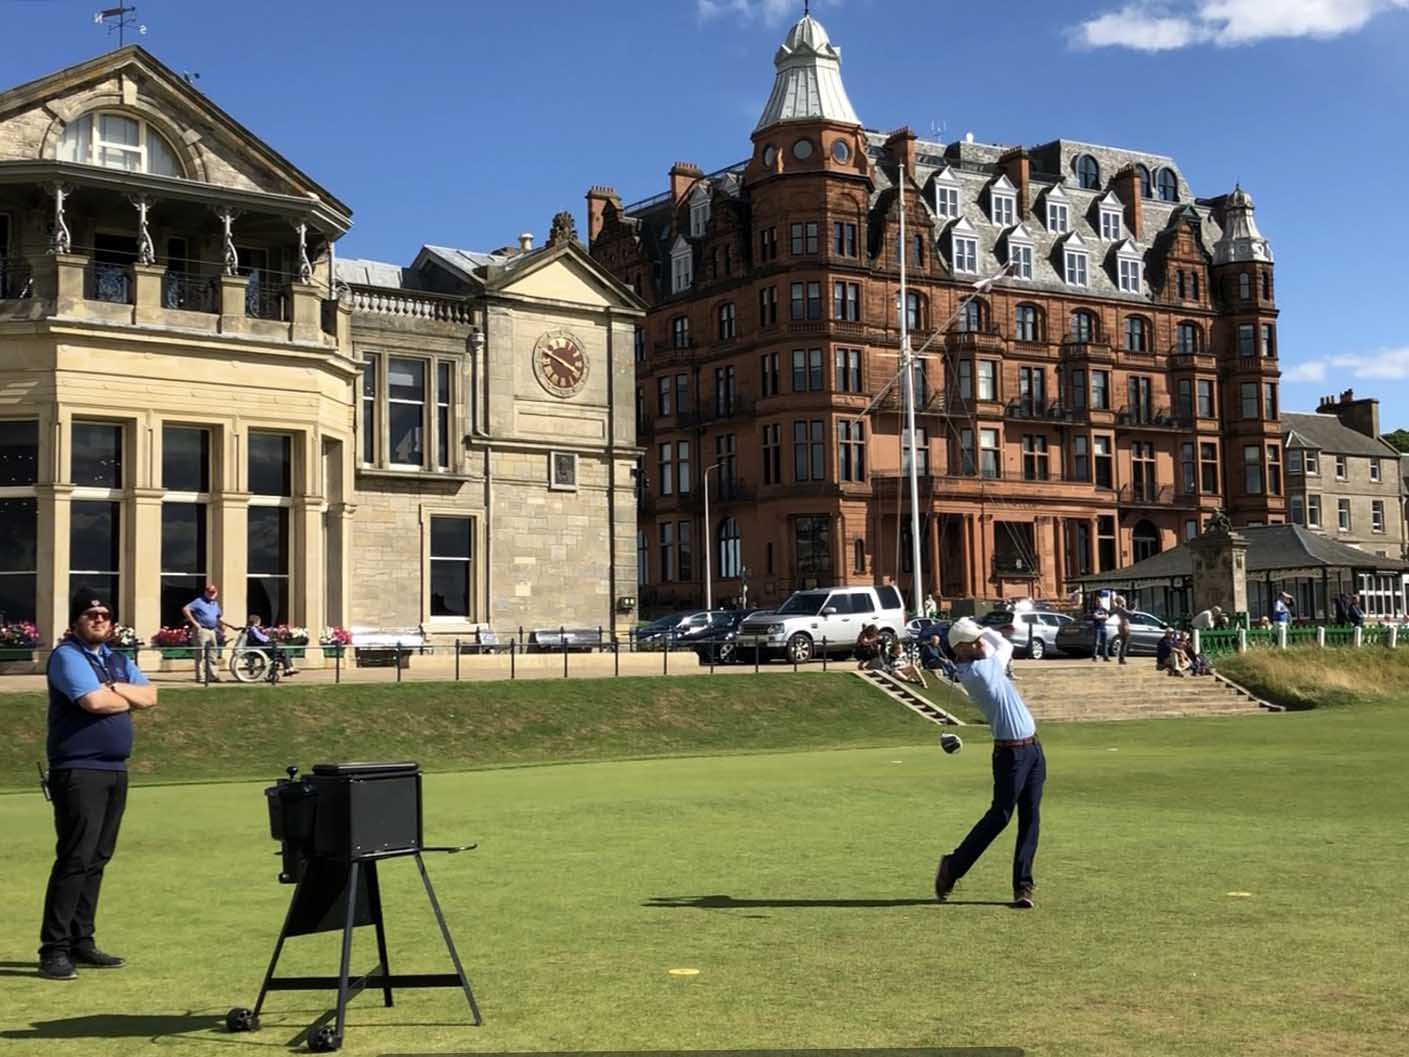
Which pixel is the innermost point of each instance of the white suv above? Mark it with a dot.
(821, 619)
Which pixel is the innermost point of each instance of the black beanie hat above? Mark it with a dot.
(84, 599)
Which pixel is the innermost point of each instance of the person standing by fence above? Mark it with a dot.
(204, 616)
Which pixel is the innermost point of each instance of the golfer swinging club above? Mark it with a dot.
(1019, 768)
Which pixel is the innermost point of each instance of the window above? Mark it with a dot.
(1269, 401)
(1058, 216)
(725, 393)
(851, 451)
(922, 452)
(95, 547)
(913, 316)
(797, 304)
(444, 397)
(267, 581)
(1110, 224)
(682, 393)
(1026, 323)
(643, 559)
(1313, 511)
(767, 306)
(804, 239)
(1081, 458)
(1032, 390)
(682, 467)
(917, 250)
(919, 381)
(812, 542)
(1168, 186)
(990, 462)
(846, 301)
(186, 480)
(1297, 510)
(684, 566)
(666, 531)
(768, 244)
(968, 465)
(1341, 468)
(699, 215)
(1100, 390)
(1105, 471)
(1294, 460)
(680, 332)
(1274, 469)
(965, 254)
(730, 549)
(966, 379)
(1246, 339)
(1204, 387)
(1313, 463)
(1076, 261)
(813, 302)
(118, 141)
(1269, 345)
(971, 317)
(843, 239)
(1129, 274)
(1248, 402)
(270, 464)
(1004, 209)
(664, 403)
(1020, 257)
(772, 455)
(807, 370)
(682, 269)
(946, 201)
(987, 380)
(858, 555)
(1034, 458)
(666, 464)
(726, 321)
(1252, 470)
(1343, 515)
(1374, 469)
(1190, 338)
(19, 531)
(726, 457)
(1139, 391)
(848, 370)
(1077, 396)
(768, 564)
(1083, 326)
(406, 383)
(1191, 529)
(369, 411)
(1088, 173)
(1244, 286)
(1146, 191)
(1377, 515)
(1184, 400)
(768, 373)
(809, 451)
(1142, 467)
(97, 455)
(1137, 334)
(452, 567)
(1208, 468)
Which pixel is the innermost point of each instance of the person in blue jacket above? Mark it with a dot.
(93, 692)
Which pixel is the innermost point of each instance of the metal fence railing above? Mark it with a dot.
(1224, 641)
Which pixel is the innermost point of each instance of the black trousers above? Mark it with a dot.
(88, 808)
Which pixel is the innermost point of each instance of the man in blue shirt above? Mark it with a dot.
(1019, 767)
(92, 693)
(203, 614)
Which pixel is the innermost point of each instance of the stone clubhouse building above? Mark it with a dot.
(193, 387)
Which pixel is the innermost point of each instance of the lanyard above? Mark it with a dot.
(100, 668)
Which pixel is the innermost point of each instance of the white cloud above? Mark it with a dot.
(1151, 25)
(1387, 365)
(769, 12)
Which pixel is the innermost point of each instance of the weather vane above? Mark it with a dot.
(119, 18)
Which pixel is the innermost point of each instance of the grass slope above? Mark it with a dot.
(799, 886)
(1308, 677)
(252, 732)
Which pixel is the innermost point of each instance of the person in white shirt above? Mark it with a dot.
(1208, 619)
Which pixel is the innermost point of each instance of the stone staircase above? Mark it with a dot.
(1069, 689)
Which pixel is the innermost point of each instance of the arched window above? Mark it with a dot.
(1137, 334)
(971, 317)
(1144, 539)
(1244, 286)
(118, 141)
(1146, 191)
(914, 310)
(1088, 173)
(1191, 339)
(1083, 325)
(1168, 185)
(730, 549)
(1028, 323)
(643, 559)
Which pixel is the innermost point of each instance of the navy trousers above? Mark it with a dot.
(1018, 777)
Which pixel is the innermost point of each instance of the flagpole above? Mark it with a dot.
(907, 365)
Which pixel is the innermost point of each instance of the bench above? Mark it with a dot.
(386, 649)
(557, 640)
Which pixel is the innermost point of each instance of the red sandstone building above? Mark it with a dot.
(1117, 385)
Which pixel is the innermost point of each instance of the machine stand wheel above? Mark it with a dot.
(323, 1039)
(241, 1019)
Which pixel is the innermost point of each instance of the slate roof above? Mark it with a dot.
(1271, 548)
(361, 272)
(1328, 434)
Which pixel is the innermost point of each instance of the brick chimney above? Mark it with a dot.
(597, 200)
(1127, 188)
(1017, 167)
(682, 175)
(900, 145)
(1361, 415)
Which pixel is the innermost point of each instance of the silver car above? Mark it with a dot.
(1032, 632)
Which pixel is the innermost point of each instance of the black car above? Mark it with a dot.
(717, 644)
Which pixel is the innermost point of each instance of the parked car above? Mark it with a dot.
(719, 644)
(829, 618)
(1033, 632)
(1077, 639)
(674, 630)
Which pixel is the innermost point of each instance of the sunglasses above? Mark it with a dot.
(97, 615)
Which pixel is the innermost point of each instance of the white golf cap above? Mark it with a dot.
(965, 629)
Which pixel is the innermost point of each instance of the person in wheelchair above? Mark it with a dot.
(256, 636)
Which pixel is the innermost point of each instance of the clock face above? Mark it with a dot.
(559, 363)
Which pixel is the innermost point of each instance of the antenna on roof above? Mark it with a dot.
(121, 19)
(190, 77)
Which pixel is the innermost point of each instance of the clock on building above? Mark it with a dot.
(559, 363)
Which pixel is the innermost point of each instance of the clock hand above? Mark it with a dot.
(555, 356)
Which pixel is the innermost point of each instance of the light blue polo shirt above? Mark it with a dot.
(207, 614)
(989, 687)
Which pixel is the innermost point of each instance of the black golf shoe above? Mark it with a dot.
(57, 966)
(92, 958)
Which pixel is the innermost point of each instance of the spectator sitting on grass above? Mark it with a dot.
(1168, 657)
(1198, 664)
(932, 657)
(256, 636)
(868, 647)
(900, 664)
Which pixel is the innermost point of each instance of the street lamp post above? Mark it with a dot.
(708, 542)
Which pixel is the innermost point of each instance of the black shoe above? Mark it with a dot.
(57, 966)
(92, 958)
(943, 881)
(1022, 897)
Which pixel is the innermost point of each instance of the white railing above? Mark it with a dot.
(382, 302)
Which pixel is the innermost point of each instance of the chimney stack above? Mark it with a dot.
(526, 242)
(1126, 185)
(900, 145)
(682, 175)
(598, 198)
(1017, 167)
(1362, 415)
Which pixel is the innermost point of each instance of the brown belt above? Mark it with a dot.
(1019, 744)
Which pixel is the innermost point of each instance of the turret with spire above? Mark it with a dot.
(1241, 241)
(808, 84)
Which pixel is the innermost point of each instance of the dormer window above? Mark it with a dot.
(682, 267)
(1088, 172)
(1003, 203)
(699, 212)
(119, 141)
(1058, 212)
(1077, 263)
(1129, 268)
(1111, 219)
(946, 195)
(1020, 253)
(964, 246)
(1168, 185)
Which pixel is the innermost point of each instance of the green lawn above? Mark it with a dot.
(798, 884)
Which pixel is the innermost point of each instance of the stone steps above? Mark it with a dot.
(1079, 690)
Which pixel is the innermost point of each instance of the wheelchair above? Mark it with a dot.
(253, 664)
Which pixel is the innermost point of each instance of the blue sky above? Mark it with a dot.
(465, 123)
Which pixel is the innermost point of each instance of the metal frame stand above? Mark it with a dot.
(335, 895)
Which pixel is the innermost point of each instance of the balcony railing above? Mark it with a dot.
(731, 490)
(411, 304)
(1135, 494)
(1145, 417)
(718, 410)
(112, 283)
(190, 292)
(267, 296)
(16, 280)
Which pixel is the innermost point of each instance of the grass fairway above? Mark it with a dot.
(799, 885)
